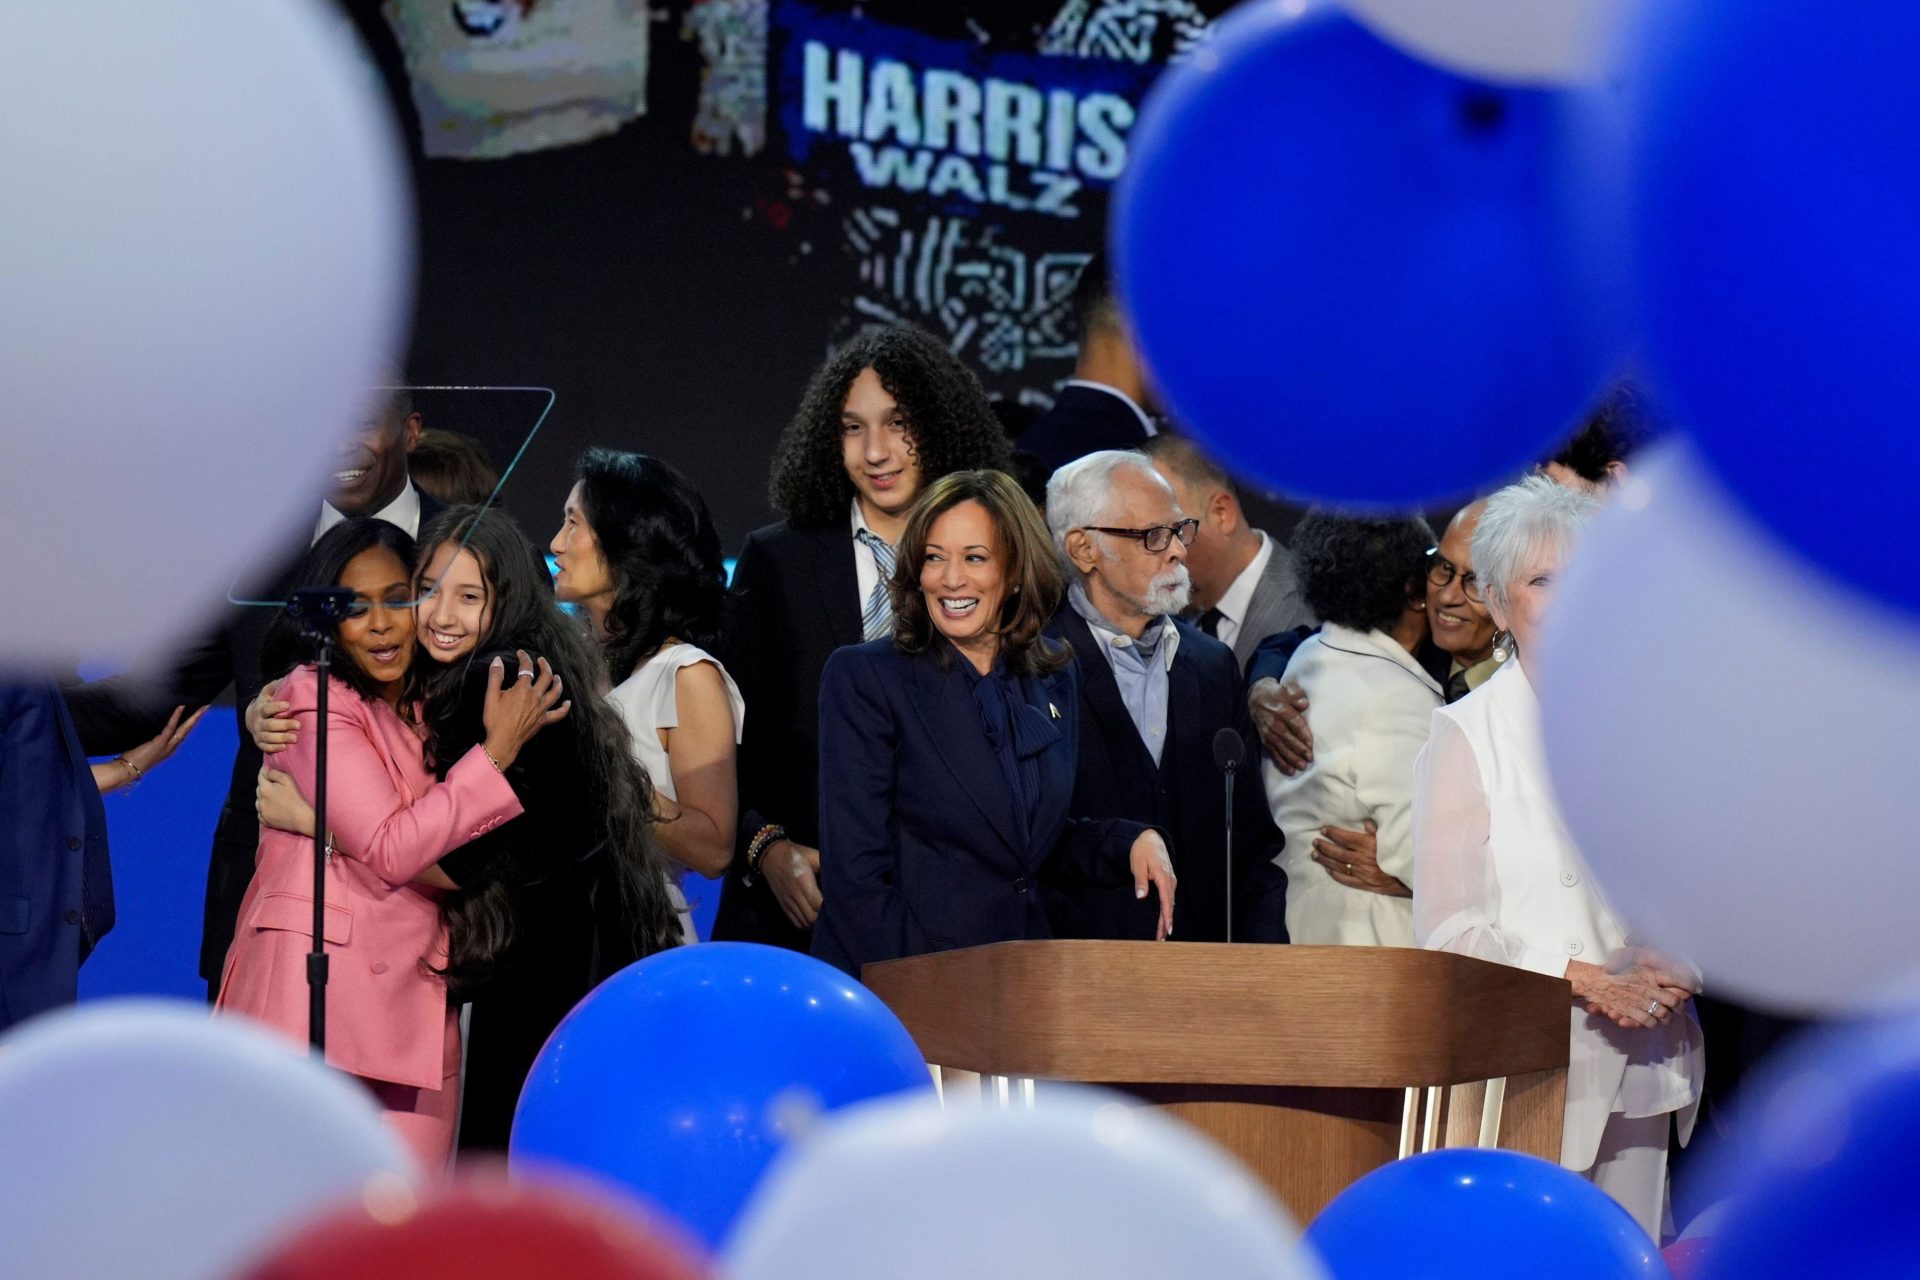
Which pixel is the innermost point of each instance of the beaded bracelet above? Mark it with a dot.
(763, 839)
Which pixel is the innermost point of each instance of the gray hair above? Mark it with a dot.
(1520, 522)
(1079, 491)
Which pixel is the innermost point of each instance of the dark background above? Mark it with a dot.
(676, 302)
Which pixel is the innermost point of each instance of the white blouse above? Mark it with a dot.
(648, 702)
(1497, 877)
(1371, 707)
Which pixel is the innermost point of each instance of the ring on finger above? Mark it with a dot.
(1653, 1007)
(526, 673)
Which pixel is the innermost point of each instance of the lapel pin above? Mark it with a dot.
(1055, 710)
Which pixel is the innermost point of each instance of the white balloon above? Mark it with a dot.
(1089, 1184)
(205, 244)
(1524, 42)
(141, 1138)
(1731, 738)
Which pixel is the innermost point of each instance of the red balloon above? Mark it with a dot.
(483, 1228)
(1685, 1257)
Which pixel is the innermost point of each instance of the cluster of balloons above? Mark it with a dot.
(1382, 253)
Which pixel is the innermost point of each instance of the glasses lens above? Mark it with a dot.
(1157, 538)
(1471, 585)
(1186, 530)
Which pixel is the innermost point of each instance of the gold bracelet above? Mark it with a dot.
(490, 760)
(132, 768)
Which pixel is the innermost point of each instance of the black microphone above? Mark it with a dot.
(1229, 753)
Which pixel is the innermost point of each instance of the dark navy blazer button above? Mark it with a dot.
(1020, 884)
(73, 842)
(73, 917)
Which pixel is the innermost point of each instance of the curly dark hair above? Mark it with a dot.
(614, 786)
(661, 550)
(949, 423)
(1361, 572)
(1031, 569)
(1619, 425)
(287, 643)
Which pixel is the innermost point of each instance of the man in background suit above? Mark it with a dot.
(1244, 585)
(56, 887)
(117, 714)
(1153, 693)
(845, 475)
(1103, 405)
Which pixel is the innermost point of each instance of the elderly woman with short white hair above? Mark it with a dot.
(1496, 876)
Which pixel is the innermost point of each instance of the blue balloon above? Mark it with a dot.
(1822, 1181)
(682, 1076)
(1778, 192)
(1353, 274)
(1466, 1213)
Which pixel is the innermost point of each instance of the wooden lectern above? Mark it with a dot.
(1312, 1064)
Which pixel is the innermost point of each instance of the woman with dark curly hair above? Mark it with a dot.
(1372, 703)
(954, 742)
(886, 416)
(638, 553)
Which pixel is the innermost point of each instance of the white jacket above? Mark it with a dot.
(1496, 876)
(1370, 707)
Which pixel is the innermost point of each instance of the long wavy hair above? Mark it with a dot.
(288, 644)
(1031, 572)
(617, 789)
(662, 552)
(950, 425)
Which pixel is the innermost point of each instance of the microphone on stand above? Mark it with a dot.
(1229, 753)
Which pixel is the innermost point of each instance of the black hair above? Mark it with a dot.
(950, 426)
(1617, 427)
(662, 552)
(1361, 572)
(1095, 304)
(452, 467)
(288, 644)
(617, 789)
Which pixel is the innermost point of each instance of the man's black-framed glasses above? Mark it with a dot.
(1155, 539)
(1443, 571)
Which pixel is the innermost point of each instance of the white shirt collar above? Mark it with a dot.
(1111, 637)
(860, 520)
(1147, 423)
(1235, 601)
(403, 511)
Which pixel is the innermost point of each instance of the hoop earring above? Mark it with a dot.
(1502, 645)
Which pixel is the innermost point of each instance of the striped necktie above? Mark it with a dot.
(876, 620)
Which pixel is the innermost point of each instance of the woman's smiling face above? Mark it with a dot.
(456, 608)
(378, 635)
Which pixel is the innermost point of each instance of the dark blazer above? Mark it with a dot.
(120, 713)
(56, 886)
(795, 599)
(1184, 795)
(919, 847)
(1082, 420)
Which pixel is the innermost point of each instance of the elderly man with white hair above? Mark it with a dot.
(1154, 693)
(1496, 876)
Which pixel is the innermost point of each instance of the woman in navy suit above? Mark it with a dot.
(947, 752)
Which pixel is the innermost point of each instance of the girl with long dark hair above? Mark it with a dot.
(550, 904)
(388, 1020)
(637, 552)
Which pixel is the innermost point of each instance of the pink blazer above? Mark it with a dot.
(386, 1011)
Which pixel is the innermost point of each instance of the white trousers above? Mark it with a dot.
(1632, 1168)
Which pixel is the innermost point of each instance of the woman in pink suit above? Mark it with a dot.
(388, 1021)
